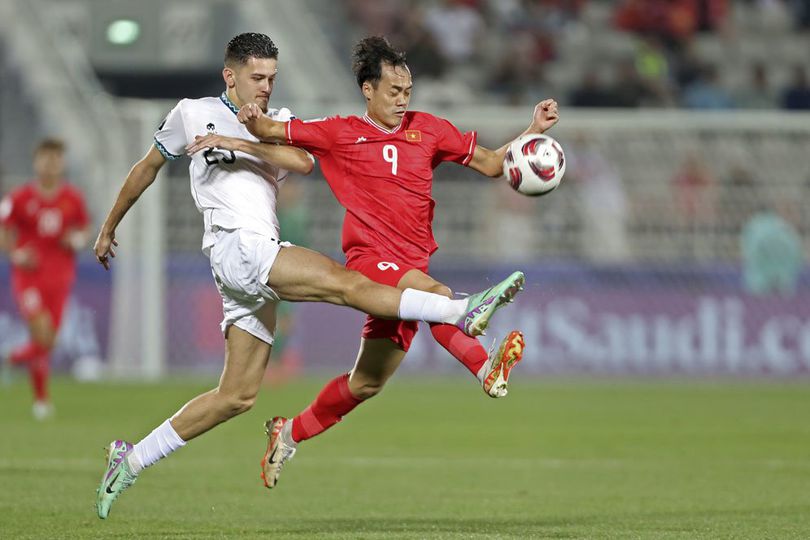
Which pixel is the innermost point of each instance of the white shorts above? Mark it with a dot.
(241, 262)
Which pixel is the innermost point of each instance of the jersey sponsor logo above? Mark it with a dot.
(413, 135)
(360, 139)
(387, 266)
(210, 127)
(49, 222)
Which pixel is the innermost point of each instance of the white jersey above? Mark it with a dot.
(233, 190)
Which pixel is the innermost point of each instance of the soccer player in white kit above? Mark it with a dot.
(236, 193)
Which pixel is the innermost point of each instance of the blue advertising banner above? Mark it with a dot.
(576, 319)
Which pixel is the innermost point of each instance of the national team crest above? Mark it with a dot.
(413, 135)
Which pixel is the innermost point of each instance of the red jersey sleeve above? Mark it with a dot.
(452, 144)
(316, 136)
(10, 210)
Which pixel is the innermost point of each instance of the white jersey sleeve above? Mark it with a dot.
(282, 115)
(170, 137)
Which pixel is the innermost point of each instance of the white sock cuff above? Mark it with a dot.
(157, 445)
(167, 430)
(412, 304)
(416, 305)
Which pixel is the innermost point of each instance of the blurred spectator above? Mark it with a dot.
(629, 89)
(797, 95)
(519, 75)
(739, 196)
(710, 15)
(603, 202)
(757, 94)
(653, 68)
(671, 20)
(706, 91)
(693, 185)
(801, 13)
(772, 255)
(457, 28)
(424, 58)
(687, 64)
(375, 17)
(591, 92)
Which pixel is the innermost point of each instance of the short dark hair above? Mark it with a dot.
(368, 57)
(247, 45)
(50, 144)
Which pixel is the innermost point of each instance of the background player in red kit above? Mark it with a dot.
(380, 168)
(43, 223)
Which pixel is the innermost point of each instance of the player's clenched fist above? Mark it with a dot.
(248, 113)
(545, 115)
(250, 116)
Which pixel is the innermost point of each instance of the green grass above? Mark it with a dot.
(429, 459)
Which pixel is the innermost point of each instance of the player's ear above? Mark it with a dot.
(229, 76)
(367, 89)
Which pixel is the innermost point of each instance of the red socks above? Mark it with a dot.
(335, 400)
(332, 404)
(466, 349)
(36, 356)
(39, 369)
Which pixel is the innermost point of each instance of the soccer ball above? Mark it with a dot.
(534, 164)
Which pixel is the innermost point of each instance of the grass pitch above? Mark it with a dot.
(429, 459)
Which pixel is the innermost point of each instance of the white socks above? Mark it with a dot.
(157, 445)
(417, 305)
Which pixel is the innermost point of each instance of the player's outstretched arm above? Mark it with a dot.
(139, 178)
(260, 125)
(290, 158)
(490, 162)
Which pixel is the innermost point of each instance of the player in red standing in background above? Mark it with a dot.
(380, 168)
(42, 225)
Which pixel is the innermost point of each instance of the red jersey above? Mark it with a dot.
(383, 178)
(40, 221)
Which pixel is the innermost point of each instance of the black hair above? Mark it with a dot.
(368, 57)
(50, 144)
(247, 45)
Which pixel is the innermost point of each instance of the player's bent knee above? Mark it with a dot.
(440, 289)
(350, 284)
(367, 390)
(234, 405)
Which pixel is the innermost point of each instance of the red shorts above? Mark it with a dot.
(387, 272)
(33, 296)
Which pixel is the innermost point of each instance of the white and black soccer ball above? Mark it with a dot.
(534, 164)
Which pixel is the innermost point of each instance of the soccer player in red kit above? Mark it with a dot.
(44, 223)
(380, 168)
